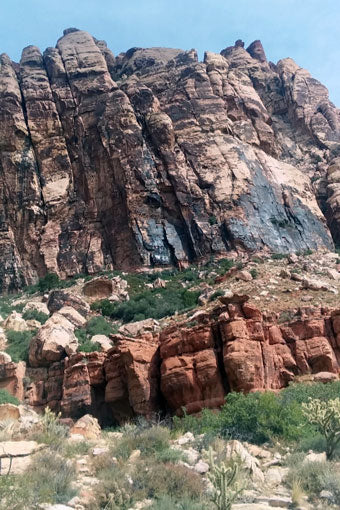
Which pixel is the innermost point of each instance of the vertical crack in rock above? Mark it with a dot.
(218, 350)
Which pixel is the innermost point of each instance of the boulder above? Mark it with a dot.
(73, 316)
(16, 455)
(103, 340)
(98, 288)
(104, 288)
(244, 275)
(15, 322)
(54, 340)
(87, 426)
(37, 306)
(139, 328)
(61, 298)
(9, 412)
(4, 358)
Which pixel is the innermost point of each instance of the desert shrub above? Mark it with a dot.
(154, 304)
(256, 417)
(7, 398)
(70, 450)
(279, 256)
(99, 326)
(48, 480)
(18, 344)
(224, 265)
(170, 455)
(95, 326)
(150, 441)
(260, 417)
(314, 477)
(113, 492)
(5, 307)
(212, 220)
(152, 481)
(254, 273)
(35, 315)
(52, 432)
(216, 294)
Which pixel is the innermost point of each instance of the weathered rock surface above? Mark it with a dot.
(235, 348)
(153, 157)
(54, 340)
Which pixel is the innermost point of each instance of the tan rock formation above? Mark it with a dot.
(153, 157)
(54, 340)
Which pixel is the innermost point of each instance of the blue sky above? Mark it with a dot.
(306, 30)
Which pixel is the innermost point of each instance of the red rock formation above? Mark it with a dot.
(11, 378)
(132, 376)
(124, 161)
(233, 348)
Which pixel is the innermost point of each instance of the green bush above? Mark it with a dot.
(154, 304)
(154, 481)
(212, 220)
(48, 282)
(279, 256)
(35, 315)
(254, 273)
(262, 417)
(216, 294)
(153, 441)
(52, 433)
(18, 344)
(7, 398)
(95, 326)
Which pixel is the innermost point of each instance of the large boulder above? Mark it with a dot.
(9, 412)
(114, 289)
(87, 426)
(15, 322)
(61, 298)
(54, 340)
(37, 306)
(139, 328)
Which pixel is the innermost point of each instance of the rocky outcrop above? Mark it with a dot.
(54, 341)
(12, 376)
(234, 347)
(155, 158)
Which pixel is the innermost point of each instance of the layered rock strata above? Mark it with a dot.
(233, 348)
(155, 158)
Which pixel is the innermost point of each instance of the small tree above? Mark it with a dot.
(48, 282)
(223, 479)
(326, 417)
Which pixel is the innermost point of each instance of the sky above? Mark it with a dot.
(305, 30)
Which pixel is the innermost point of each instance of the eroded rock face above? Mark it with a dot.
(153, 157)
(54, 341)
(234, 347)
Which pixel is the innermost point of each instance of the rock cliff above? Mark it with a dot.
(155, 158)
(233, 347)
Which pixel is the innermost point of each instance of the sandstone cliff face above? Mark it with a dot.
(154, 158)
(232, 348)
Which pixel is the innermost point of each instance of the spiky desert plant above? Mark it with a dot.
(326, 417)
(223, 478)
